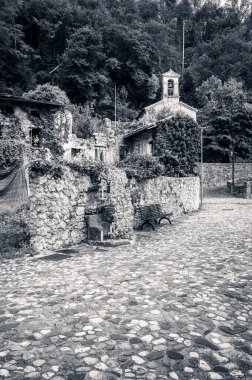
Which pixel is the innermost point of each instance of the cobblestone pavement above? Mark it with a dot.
(176, 305)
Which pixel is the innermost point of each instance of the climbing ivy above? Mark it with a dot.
(91, 168)
(13, 142)
(177, 145)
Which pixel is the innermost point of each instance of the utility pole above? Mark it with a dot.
(233, 166)
(183, 47)
(201, 127)
(115, 108)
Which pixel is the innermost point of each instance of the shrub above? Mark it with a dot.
(11, 152)
(14, 234)
(91, 168)
(142, 167)
(13, 144)
(82, 121)
(48, 93)
(40, 167)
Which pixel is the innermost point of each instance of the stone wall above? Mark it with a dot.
(120, 197)
(57, 206)
(57, 209)
(216, 174)
(176, 195)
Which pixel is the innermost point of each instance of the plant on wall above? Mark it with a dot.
(13, 142)
(48, 93)
(142, 167)
(40, 168)
(88, 167)
(177, 145)
(52, 139)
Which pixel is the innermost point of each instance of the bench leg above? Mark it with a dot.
(148, 222)
(164, 217)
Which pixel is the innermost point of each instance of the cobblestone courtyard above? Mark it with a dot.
(176, 305)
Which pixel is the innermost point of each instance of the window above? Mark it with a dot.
(100, 153)
(7, 110)
(35, 113)
(75, 152)
(150, 149)
(35, 137)
(170, 87)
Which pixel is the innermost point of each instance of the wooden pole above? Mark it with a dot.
(183, 47)
(115, 107)
(201, 167)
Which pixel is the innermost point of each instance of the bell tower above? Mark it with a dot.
(170, 84)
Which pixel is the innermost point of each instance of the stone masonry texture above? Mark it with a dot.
(176, 304)
(216, 174)
(57, 206)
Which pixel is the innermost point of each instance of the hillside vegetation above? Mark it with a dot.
(86, 47)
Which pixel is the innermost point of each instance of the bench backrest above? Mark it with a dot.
(150, 212)
(144, 212)
(154, 211)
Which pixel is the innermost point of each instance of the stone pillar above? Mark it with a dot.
(247, 189)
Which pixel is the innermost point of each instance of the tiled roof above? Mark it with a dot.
(22, 99)
(145, 127)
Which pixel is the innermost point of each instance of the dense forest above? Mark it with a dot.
(87, 47)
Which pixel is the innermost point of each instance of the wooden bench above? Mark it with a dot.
(152, 214)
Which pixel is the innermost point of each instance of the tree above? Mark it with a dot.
(227, 55)
(81, 71)
(224, 110)
(15, 54)
(95, 61)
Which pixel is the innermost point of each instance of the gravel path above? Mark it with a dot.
(177, 304)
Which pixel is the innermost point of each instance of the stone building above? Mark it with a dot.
(38, 120)
(102, 146)
(140, 140)
(34, 116)
(170, 101)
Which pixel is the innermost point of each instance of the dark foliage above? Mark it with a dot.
(40, 168)
(177, 145)
(88, 47)
(93, 169)
(228, 118)
(14, 234)
(142, 167)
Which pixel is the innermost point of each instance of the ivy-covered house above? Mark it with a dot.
(38, 122)
(29, 130)
(140, 140)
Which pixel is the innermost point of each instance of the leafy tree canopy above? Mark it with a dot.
(228, 119)
(86, 47)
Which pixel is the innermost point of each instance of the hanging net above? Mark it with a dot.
(13, 187)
